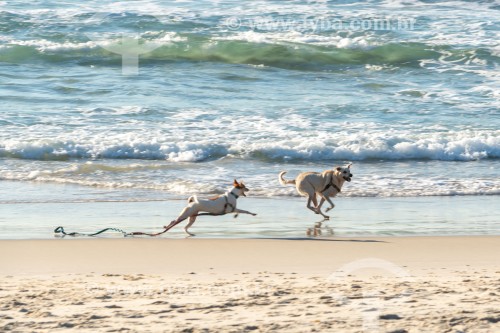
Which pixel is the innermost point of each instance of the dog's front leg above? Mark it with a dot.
(241, 211)
(317, 208)
(332, 205)
(322, 201)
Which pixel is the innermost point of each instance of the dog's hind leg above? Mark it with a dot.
(191, 221)
(316, 208)
(172, 224)
(186, 212)
(321, 202)
(307, 189)
(312, 198)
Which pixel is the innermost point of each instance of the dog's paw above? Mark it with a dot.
(235, 215)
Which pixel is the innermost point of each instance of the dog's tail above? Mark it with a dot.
(283, 181)
(192, 199)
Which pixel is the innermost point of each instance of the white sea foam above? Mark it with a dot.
(117, 111)
(156, 38)
(343, 146)
(306, 38)
(44, 45)
(370, 179)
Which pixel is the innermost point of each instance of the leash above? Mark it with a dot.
(60, 229)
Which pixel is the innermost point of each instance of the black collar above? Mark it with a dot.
(234, 195)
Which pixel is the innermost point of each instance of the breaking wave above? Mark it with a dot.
(459, 147)
(288, 55)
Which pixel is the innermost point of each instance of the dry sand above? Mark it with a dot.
(420, 284)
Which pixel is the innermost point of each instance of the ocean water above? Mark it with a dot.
(154, 100)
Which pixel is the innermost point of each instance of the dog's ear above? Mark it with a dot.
(349, 165)
(235, 183)
(338, 168)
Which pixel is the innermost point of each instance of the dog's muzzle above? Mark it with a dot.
(348, 178)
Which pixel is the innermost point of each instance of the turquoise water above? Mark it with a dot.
(148, 100)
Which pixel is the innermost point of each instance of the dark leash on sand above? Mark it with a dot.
(60, 230)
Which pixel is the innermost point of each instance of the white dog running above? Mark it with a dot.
(223, 204)
(326, 184)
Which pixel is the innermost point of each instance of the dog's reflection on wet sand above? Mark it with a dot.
(318, 229)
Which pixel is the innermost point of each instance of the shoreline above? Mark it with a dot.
(282, 217)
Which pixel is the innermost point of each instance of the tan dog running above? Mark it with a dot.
(223, 204)
(326, 184)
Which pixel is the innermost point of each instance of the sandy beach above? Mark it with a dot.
(397, 284)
